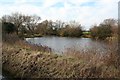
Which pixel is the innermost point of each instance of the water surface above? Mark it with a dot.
(61, 44)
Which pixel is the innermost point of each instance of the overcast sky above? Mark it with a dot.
(87, 12)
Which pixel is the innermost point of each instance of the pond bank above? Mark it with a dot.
(22, 61)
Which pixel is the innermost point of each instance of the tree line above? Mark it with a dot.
(23, 25)
(31, 24)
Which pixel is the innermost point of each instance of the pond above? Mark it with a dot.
(61, 44)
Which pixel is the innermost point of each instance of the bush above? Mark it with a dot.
(101, 32)
(71, 32)
(8, 27)
(108, 28)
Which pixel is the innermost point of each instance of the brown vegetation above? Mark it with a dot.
(21, 61)
(108, 28)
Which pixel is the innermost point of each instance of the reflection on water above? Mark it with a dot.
(0, 77)
(60, 44)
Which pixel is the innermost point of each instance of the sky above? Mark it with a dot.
(86, 12)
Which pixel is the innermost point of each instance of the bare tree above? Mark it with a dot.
(31, 22)
(22, 21)
(59, 24)
(113, 23)
(16, 18)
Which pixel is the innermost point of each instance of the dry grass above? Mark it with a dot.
(108, 63)
(23, 60)
(14, 39)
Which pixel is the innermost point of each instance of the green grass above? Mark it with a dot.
(86, 34)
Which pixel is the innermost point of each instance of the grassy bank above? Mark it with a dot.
(23, 60)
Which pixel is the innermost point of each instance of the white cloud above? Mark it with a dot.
(86, 15)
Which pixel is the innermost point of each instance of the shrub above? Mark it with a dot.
(8, 27)
(71, 32)
(101, 32)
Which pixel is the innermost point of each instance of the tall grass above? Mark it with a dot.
(13, 39)
(108, 64)
(23, 60)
